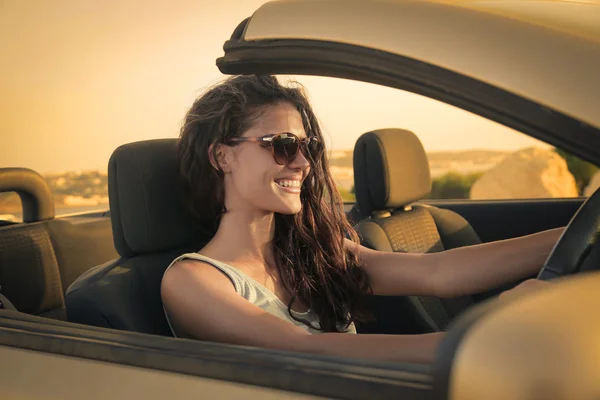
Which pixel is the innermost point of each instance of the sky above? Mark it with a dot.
(79, 78)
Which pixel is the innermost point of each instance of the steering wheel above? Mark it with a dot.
(576, 250)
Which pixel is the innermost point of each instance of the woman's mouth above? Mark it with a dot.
(289, 185)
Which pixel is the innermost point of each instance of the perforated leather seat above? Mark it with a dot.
(150, 229)
(391, 173)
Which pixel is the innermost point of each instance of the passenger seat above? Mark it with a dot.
(391, 173)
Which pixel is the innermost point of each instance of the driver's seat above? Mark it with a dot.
(150, 229)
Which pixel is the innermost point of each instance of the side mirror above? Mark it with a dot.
(543, 345)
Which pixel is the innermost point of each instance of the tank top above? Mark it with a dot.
(256, 294)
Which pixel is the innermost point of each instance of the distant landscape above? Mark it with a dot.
(440, 163)
(80, 191)
(73, 191)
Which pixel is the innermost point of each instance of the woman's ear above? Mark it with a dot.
(220, 156)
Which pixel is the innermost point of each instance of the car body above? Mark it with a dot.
(529, 65)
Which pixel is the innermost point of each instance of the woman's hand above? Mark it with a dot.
(530, 285)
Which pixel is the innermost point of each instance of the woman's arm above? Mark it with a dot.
(202, 302)
(457, 272)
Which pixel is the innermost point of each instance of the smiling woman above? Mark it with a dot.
(254, 174)
(251, 156)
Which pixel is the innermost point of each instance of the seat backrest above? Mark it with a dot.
(42, 256)
(29, 273)
(151, 227)
(81, 243)
(391, 173)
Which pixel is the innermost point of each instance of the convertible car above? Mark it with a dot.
(81, 314)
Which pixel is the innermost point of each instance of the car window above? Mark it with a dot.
(10, 208)
(470, 157)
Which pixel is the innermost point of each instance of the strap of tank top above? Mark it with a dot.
(235, 276)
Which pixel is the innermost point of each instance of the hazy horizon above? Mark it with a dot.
(84, 77)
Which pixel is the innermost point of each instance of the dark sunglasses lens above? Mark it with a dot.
(314, 147)
(285, 148)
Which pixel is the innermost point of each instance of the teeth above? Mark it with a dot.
(288, 183)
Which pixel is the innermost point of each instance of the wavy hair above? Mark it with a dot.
(310, 255)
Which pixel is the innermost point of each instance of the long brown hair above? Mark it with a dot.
(309, 249)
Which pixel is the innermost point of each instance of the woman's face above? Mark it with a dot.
(254, 181)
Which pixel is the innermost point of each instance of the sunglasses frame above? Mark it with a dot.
(270, 138)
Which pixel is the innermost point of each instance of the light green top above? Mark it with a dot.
(256, 294)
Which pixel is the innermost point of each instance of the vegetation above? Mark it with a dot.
(453, 185)
(582, 171)
(348, 196)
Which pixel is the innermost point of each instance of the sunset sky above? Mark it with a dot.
(79, 78)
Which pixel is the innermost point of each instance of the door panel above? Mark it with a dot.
(81, 243)
(503, 219)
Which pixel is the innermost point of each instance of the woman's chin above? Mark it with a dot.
(289, 207)
(291, 210)
(286, 202)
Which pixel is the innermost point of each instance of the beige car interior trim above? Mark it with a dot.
(29, 374)
(474, 39)
(545, 345)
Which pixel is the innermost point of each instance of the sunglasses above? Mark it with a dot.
(285, 146)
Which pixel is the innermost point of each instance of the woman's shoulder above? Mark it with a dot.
(190, 271)
(198, 268)
(191, 260)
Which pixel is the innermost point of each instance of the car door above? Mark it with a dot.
(73, 361)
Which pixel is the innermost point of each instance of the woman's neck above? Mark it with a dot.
(243, 237)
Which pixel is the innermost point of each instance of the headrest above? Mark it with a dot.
(390, 170)
(146, 210)
(35, 194)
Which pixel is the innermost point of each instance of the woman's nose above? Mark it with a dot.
(300, 162)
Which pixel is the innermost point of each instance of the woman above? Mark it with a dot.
(284, 263)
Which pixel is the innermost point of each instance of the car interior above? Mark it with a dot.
(105, 270)
(80, 304)
(95, 278)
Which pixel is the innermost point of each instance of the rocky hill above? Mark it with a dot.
(529, 173)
